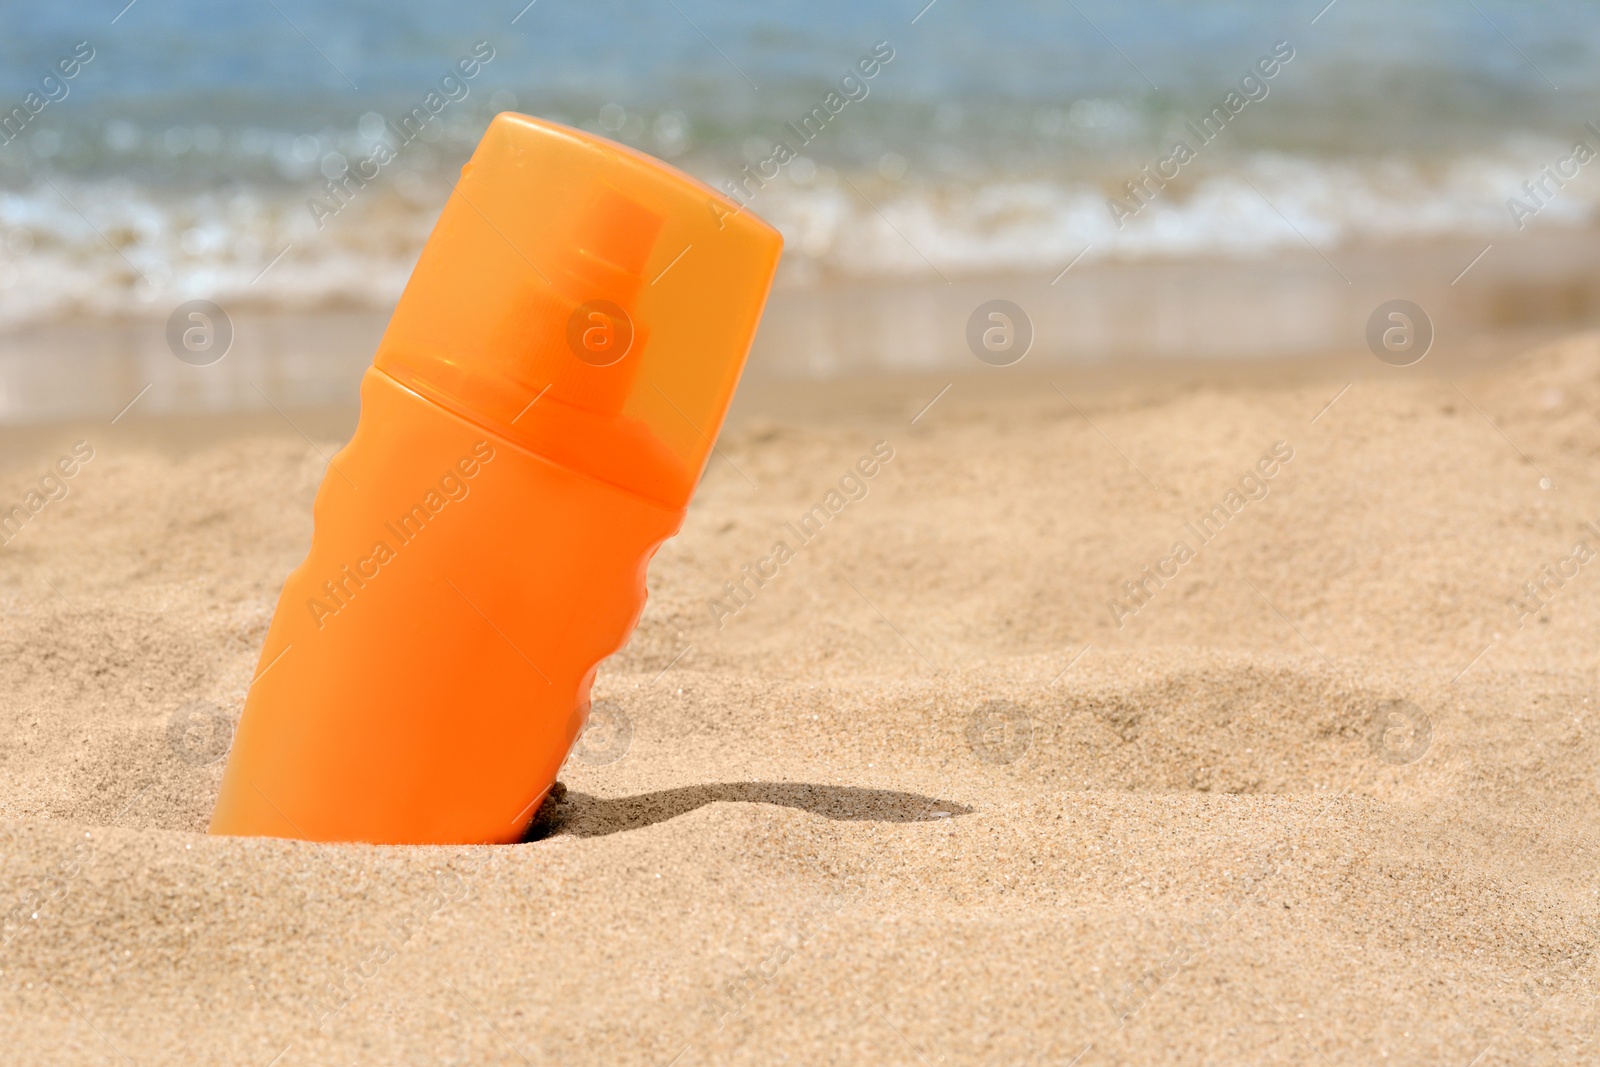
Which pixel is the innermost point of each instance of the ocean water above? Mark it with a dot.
(186, 157)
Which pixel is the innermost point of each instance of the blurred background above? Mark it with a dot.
(184, 160)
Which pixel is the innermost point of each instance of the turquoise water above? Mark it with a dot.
(971, 79)
(181, 158)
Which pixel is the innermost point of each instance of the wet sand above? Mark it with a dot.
(1200, 314)
(985, 774)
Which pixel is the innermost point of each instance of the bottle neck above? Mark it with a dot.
(613, 448)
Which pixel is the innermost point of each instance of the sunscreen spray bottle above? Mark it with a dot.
(534, 423)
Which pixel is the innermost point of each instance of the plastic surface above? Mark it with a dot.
(481, 543)
(505, 318)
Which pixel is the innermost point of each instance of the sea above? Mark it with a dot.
(184, 155)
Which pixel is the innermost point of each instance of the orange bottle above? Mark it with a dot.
(532, 427)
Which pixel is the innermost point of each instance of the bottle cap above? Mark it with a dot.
(587, 302)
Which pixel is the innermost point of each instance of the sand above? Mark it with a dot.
(941, 792)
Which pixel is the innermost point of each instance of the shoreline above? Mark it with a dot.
(1186, 318)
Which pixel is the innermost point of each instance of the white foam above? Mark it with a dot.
(136, 251)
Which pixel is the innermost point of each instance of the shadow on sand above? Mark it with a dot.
(582, 815)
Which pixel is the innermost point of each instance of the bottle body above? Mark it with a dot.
(429, 664)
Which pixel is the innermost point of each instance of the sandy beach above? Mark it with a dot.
(1109, 722)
